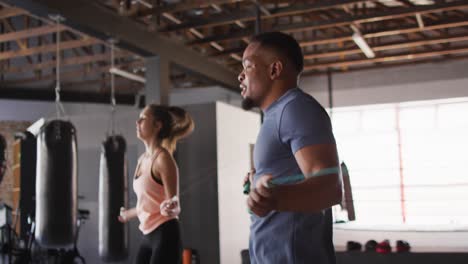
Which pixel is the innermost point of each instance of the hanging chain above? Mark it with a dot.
(58, 104)
(112, 76)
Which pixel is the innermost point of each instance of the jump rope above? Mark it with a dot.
(284, 180)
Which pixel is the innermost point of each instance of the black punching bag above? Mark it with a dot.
(113, 235)
(56, 185)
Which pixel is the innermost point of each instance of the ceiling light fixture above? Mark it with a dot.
(362, 44)
(127, 75)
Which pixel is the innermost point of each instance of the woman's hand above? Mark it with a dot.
(170, 207)
(123, 217)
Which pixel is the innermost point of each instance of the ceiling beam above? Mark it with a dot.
(47, 48)
(30, 32)
(452, 23)
(80, 73)
(343, 21)
(228, 51)
(64, 62)
(65, 96)
(389, 46)
(295, 9)
(399, 57)
(183, 5)
(371, 34)
(391, 65)
(7, 12)
(22, 44)
(103, 23)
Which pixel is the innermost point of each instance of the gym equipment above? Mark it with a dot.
(113, 235)
(56, 185)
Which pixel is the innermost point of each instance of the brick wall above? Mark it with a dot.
(8, 130)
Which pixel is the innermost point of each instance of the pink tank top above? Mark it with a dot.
(150, 195)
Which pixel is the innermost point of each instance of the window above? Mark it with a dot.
(406, 161)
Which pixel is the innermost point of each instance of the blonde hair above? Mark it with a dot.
(176, 124)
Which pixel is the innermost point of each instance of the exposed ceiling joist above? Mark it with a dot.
(371, 34)
(399, 57)
(47, 48)
(7, 12)
(343, 21)
(390, 46)
(30, 32)
(395, 64)
(65, 96)
(184, 5)
(64, 62)
(103, 23)
(389, 32)
(69, 74)
(391, 28)
(296, 9)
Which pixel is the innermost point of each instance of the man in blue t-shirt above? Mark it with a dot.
(291, 216)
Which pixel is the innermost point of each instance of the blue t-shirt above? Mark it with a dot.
(294, 121)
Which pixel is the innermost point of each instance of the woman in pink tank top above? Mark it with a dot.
(156, 184)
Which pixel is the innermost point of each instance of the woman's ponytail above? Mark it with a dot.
(181, 126)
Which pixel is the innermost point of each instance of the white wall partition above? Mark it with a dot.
(236, 129)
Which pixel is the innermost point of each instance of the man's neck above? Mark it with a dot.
(276, 93)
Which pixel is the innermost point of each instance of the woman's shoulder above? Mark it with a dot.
(163, 154)
(140, 158)
(164, 158)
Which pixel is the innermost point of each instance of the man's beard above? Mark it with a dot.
(247, 104)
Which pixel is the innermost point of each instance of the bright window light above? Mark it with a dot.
(406, 161)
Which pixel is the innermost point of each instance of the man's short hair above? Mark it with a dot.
(284, 44)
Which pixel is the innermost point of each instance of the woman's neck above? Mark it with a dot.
(151, 147)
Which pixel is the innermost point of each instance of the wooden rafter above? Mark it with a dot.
(250, 15)
(323, 28)
(74, 73)
(64, 62)
(65, 96)
(185, 5)
(451, 23)
(392, 64)
(22, 44)
(345, 20)
(390, 46)
(47, 48)
(7, 12)
(399, 57)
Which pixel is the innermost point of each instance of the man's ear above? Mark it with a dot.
(276, 69)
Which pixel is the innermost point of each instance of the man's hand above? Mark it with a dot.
(248, 179)
(249, 176)
(262, 199)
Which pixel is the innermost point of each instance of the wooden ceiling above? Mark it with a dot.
(398, 32)
(28, 61)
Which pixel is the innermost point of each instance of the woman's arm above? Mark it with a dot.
(127, 215)
(166, 167)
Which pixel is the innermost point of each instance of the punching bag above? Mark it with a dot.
(28, 161)
(113, 235)
(56, 185)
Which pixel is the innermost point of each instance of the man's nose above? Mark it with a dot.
(241, 76)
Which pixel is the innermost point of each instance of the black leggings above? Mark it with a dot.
(161, 246)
